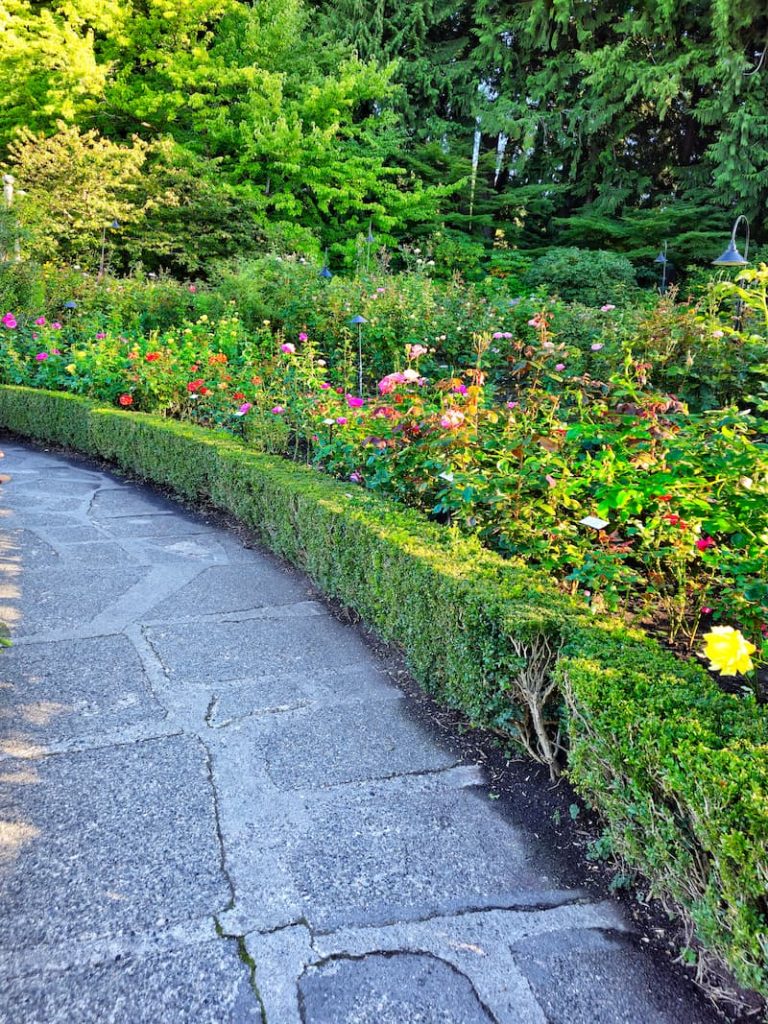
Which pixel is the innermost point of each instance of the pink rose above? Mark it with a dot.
(9, 321)
(244, 408)
(341, 420)
(597, 346)
(278, 410)
(607, 307)
(40, 322)
(355, 403)
(559, 366)
(41, 356)
(288, 348)
(325, 386)
(56, 326)
(303, 336)
(451, 419)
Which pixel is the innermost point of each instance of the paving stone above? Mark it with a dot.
(321, 746)
(256, 648)
(54, 691)
(62, 598)
(59, 484)
(205, 984)
(37, 501)
(129, 501)
(111, 840)
(403, 988)
(26, 550)
(155, 525)
(597, 977)
(285, 692)
(385, 851)
(200, 548)
(231, 588)
(70, 533)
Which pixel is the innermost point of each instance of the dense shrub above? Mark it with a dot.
(584, 275)
(677, 768)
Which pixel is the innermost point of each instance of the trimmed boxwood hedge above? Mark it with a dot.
(677, 768)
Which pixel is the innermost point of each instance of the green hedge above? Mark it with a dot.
(677, 768)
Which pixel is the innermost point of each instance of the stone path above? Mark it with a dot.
(217, 808)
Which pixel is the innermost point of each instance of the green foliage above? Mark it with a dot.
(581, 275)
(676, 767)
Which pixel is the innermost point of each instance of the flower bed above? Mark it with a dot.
(677, 768)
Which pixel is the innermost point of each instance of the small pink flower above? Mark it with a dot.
(277, 410)
(35, 335)
(535, 322)
(451, 419)
(55, 352)
(548, 345)
(244, 408)
(559, 366)
(607, 307)
(512, 405)
(288, 348)
(100, 336)
(355, 477)
(40, 322)
(597, 346)
(41, 356)
(303, 336)
(460, 389)
(706, 610)
(325, 386)
(718, 334)
(550, 480)
(704, 543)
(56, 326)
(389, 383)
(415, 351)
(341, 420)
(9, 321)
(355, 403)
(193, 288)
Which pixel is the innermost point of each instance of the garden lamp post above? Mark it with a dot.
(662, 260)
(358, 321)
(733, 258)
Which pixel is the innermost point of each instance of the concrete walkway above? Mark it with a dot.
(217, 808)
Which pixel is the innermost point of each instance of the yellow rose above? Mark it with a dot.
(728, 651)
(71, 368)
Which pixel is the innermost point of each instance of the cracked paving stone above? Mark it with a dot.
(596, 977)
(232, 588)
(256, 648)
(154, 525)
(127, 501)
(57, 485)
(401, 988)
(321, 746)
(61, 598)
(104, 841)
(204, 984)
(404, 849)
(55, 691)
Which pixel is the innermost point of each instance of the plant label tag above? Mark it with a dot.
(594, 523)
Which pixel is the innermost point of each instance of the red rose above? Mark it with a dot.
(152, 356)
(125, 399)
